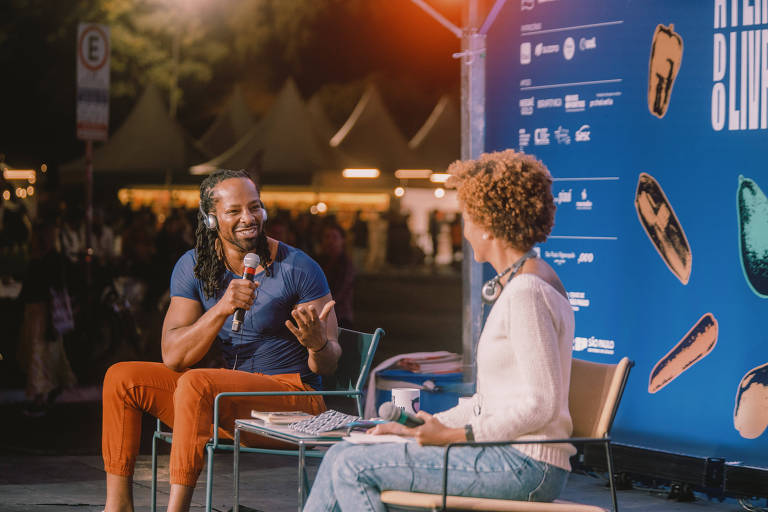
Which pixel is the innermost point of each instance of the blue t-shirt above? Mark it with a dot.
(264, 344)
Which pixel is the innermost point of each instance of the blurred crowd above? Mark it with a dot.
(80, 310)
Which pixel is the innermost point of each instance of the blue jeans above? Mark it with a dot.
(351, 477)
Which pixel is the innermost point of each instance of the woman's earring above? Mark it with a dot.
(485, 236)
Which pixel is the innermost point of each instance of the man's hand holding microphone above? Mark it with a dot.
(239, 295)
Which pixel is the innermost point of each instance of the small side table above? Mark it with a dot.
(281, 433)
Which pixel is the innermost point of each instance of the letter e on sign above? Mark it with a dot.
(93, 48)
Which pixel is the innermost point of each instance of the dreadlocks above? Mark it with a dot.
(211, 267)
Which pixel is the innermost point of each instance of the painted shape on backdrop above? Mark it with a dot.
(663, 227)
(695, 345)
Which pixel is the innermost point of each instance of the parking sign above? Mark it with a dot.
(92, 81)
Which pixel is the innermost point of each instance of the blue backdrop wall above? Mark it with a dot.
(652, 117)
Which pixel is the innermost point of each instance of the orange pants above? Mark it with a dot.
(184, 401)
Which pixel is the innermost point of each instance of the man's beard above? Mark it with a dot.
(248, 244)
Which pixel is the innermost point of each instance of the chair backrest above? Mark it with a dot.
(594, 396)
(357, 351)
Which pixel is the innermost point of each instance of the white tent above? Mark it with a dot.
(438, 141)
(370, 137)
(149, 147)
(320, 118)
(232, 123)
(284, 147)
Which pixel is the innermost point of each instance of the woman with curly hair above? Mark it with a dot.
(523, 364)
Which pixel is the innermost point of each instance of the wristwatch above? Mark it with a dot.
(468, 433)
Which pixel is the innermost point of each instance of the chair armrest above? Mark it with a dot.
(572, 440)
(349, 393)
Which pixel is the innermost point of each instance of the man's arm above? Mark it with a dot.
(317, 329)
(188, 333)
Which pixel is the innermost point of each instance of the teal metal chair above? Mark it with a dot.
(349, 381)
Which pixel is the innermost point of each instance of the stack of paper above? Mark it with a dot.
(280, 417)
(449, 363)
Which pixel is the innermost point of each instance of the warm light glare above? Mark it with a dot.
(18, 192)
(439, 193)
(439, 177)
(30, 191)
(44, 168)
(322, 207)
(412, 174)
(22, 193)
(32, 180)
(399, 191)
(6, 194)
(19, 174)
(360, 173)
(313, 209)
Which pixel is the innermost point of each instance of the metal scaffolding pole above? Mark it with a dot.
(472, 56)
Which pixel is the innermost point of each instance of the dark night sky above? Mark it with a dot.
(407, 53)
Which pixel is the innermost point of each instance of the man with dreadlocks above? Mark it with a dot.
(271, 353)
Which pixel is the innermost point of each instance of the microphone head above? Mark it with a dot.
(388, 411)
(251, 260)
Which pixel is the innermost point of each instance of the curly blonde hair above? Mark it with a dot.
(509, 194)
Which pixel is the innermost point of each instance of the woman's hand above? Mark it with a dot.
(310, 328)
(391, 428)
(432, 432)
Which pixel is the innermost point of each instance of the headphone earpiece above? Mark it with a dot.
(209, 219)
(490, 291)
(263, 215)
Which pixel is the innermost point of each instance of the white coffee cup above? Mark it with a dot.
(407, 399)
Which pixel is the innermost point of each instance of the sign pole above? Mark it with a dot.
(88, 211)
(92, 57)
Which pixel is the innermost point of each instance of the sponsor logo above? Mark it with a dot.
(583, 134)
(569, 48)
(527, 5)
(594, 345)
(559, 257)
(525, 53)
(526, 106)
(562, 135)
(549, 103)
(578, 300)
(587, 43)
(530, 27)
(573, 103)
(585, 257)
(524, 138)
(541, 136)
(545, 49)
(564, 197)
(584, 204)
(601, 102)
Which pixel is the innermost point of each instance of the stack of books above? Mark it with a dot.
(450, 363)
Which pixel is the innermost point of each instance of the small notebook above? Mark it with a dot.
(280, 417)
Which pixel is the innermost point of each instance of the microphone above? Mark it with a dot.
(388, 411)
(250, 262)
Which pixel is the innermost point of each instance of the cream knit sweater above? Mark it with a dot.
(523, 372)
